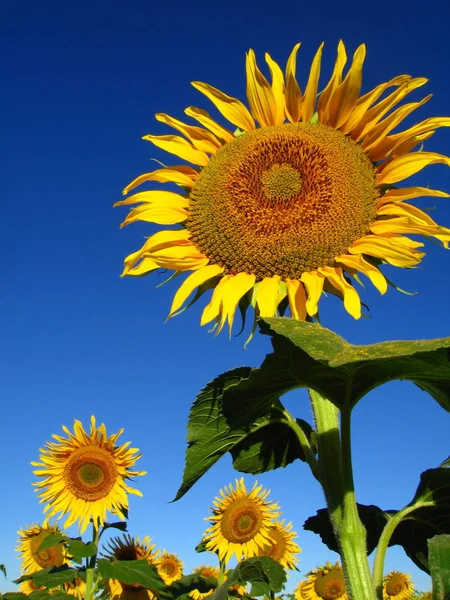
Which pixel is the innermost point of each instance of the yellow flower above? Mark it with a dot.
(33, 559)
(84, 475)
(129, 548)
(397, 586)
(241, 522)
(28, 587)
(169, 566)
(204, 571)
(326, 583)
(76, 588)
(281, 546)
(299, 200)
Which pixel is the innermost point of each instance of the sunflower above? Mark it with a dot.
(281, 546)
(170, 567)
(84, 475)
(300, 199)
(205, 571)
(28, 587)
(241, 522)
(33, 559)
(326, 583)
(76, 588)
(397, 586)
(130, 548)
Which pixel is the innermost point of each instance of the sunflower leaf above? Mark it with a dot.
(79, 549)
(258, 570)
(122, 525)
(132, 572)
(308, 355)
(211, 432)
(14, 596)
(439, 561)
(3, 570)
(53, 539)
(54, 577)
(187, 584)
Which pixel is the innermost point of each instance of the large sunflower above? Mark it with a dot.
(205, 571)
(280, 545)
(84, 475)
(169, 566)
(301, 198)
(326, 583)
(397, 586)
(241, 522)
(33, 559)
(130, 548)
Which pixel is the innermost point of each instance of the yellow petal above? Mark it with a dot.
(335, 81)
(213, 309)
(313, 281)
(389, 147)
(145, 266)
(411, 225)
(267, 296)
(277, 89)
(292, 92)
(200, 138)
(346, 94)
(404, 166)
(231, 108)
(423, 127)
(297, 299)
(406, 146)
(396, 251)
(180, 147)
(204, 118)
(156, 197)
(194, 280)
(309, 98)
(180, 174)
(150, 213)
(259, 93)
(409, 193)
(358, 263)
(180, 258)
(352, 301)
(233, 291)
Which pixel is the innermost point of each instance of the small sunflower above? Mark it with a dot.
(241, 521)
(28, 587)
(76, 588)
(84, 475)
(33, 559)
(281, 546)
(204, 571)
(130, 548)
(303, 197)
(169, 566)
(397, 586)
(326, 583)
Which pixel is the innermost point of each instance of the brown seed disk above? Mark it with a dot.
(90, 473)
(282, 200)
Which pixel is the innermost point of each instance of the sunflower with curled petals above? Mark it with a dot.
(397, 586)
(84, 475)
(281, 546)
(326, 583)
(303, 197)
(241, 522)
(170, 567)
(205, 571)
(33, 559)
(130, 548)
(29, 587)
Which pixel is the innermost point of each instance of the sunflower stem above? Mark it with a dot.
(89, 584)
(222, 567)
(304, 443)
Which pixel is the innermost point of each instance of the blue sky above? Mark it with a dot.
(82, 82)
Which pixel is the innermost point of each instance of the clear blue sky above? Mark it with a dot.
(81, 83)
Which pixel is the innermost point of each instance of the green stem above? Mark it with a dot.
(89, 584)
(383, 543)
(304, 443)
(352, 533)
(222, 567)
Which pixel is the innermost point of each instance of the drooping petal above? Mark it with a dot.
(267, 297)
(397, 251)
(335, 80)
(213, 309)
(203, 117)
(180, 147)
(191, 283)
(293, 94)
(180, 258)
(344, 97)
(404, 166)
(297, 299)
(309, 98)
(313, 281)
(180, 174)
(358, 263)
(352, 301)
(233, 291)
(200, 138)
(231, 108)
(143, 267)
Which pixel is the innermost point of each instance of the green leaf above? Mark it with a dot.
(78, 549)
(201, 547)
(51, 540)
(259, 442)
(439, 561)
(256, 570)
(187, 584)
(131, 571)
(54, 577)
(42, 595)
(15, 596)
(116, 525)
(3, 570)
(308, 355)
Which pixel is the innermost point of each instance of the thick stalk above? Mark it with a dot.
(89, 584)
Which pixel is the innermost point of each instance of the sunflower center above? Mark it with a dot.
(282, 200)
(50, 557)
(330, 586)
(169, 568)
(395, 585)
(241, 521)
(90, 473)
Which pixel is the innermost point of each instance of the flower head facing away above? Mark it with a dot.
(302, 198)
(32, 558)
(84, 475)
